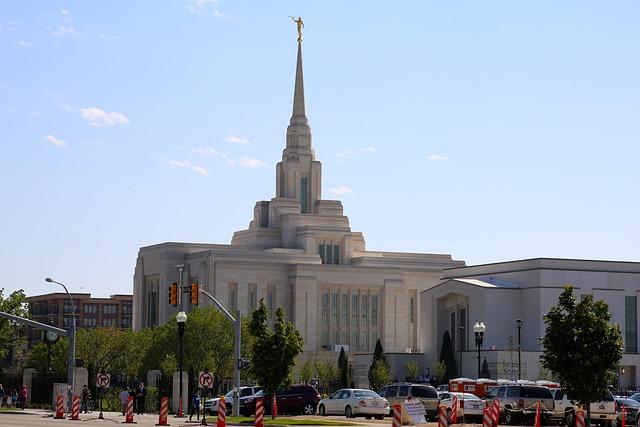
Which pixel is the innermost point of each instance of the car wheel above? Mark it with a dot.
(321, 411)
(571, 419)
(449, 415)
(509, 416)
(348, 412)
(379, 417)
(309, 408)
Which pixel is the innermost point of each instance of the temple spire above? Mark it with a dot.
(298, 116)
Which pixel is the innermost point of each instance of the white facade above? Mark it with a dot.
(300, 253)
(499, 294)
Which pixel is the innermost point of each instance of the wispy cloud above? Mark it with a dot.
(249, 162)
(206, 150)
(65, 12)
(237, 139)
(436, 157)
(346, 153)
(200, 170)
(25, 44)
(341, 190)
(204, 7)
(98, 117)
(62, 30)
(55, 141)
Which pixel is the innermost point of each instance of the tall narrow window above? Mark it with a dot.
(324, 319)
(321, 251)
(233, 297)
(364, 309)
(374, 311)
(336, 254)
(303, 194)
(412, 303)
(329, 256)
(252, 303)
(334, 317)
(630, 324)
(452, 331)
(344, 317)
(463, 331)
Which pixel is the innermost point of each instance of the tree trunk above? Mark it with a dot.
(588, 420)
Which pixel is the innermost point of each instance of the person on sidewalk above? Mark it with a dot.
(23, 397)
(124, 398)
(85, 396)
(141, 394)
(195, 400)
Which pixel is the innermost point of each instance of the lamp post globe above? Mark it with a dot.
(181, 319)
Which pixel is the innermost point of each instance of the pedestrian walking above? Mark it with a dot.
(3, 397)
(23, 397)
(14, 398)
(195, 400)
(141, 394)
(124, 397)
(85, 396)
(69, 398)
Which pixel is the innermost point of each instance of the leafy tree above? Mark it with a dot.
(274, 352)
(327, 372)
(10, 332)
(447, 356)
(440, 370)
(378, 356)
(484, 371)
(37, 357)
(343, 370)
(412, 370)
(306, 370)
(582, 347)
(380, 375)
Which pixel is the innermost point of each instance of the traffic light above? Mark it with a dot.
(173, 294)
(195, 293)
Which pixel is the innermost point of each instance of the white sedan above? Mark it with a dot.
(469, 404)
(354, 401)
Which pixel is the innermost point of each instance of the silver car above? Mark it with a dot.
(353, 402)
(211, 405)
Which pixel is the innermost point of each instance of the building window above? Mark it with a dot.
(344, 318)
(150, 290)
(336, 254)
(90, 309)
(89, 322)
(109, 323)
(321, 252)
(463, 331)
(412, 303)
(364, 307)
(233, 297)
(303, 194)
(630, 324)
(108, 309)
(67, 307)
(253, 298)
(127, 308)
(452, 324)
(329, 253)
(324, 319)
(334, 317)
(125, 323)
(374, 311)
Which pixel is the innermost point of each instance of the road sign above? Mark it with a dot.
(205, 380)
(103, 380)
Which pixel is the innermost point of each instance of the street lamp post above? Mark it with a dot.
(181, 318)
(49, 339)
(72, 336)
(461, 345)
(479, 329)
(519, 325)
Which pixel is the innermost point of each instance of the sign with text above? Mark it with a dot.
(415, 410)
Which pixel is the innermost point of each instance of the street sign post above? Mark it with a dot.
(205, 380)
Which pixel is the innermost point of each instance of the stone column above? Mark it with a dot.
(152, 377)
(176, 391)
(80, 378)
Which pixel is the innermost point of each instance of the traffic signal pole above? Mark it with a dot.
(236, 369)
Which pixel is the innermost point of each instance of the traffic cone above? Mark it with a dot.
(129, 417)
(454, 409)
(397, 416)
(623, 415)
(75, 409)
(487, 417)
(537, 421)
(222, 413)
(259, 420)
(495, 412)
(164, 411)
(275, 407)
(59, 408)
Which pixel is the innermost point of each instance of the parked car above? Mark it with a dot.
(631, 408)
(353, 402)
(443, 387)
(603, 412)
(211, 405)
(396, 393)
(469, 405)
(519, 401)
(298, 399)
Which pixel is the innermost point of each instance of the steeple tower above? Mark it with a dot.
(298, 175)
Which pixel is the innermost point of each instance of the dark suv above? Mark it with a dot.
(298, 399)
(519, 401)
(396, 393)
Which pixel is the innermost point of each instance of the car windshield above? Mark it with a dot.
(423, 391)
(228, 395)
(467, 396)
(629, 402)
(261, 393)
(365, 393)
(536, 392)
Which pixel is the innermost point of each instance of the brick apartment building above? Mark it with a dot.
(55, 308)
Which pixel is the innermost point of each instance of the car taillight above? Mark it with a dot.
(362, 403)
(386, 404)
(462, 403)
(521, 403)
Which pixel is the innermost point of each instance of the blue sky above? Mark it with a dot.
(490, 130)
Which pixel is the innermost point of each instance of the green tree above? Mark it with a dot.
(484, 371)
(447, 356)
(440, 370)
(38, 355)
(327, 372)
(11, 336)
(380, 375)
(412, 370)
(274, 352)
(378, 356)
(306, 370)
(343, 370)
(582, 347)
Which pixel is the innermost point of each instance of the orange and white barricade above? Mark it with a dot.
(623, 416)
(397, 416)
(275, 407)
(580, 418)
(454, 409)
(222, 413)
(59, 407)
(259, 420)
(164, 411)
(442, 417)
(537, 421)
(495, 412)
(75, 409)
(129, 412)
(487, 417)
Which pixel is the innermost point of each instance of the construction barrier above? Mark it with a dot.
(59, 408)
(75, 409)
(442, 417)
(275, 407)
(129, 413)
(495, 412)
(397, 416)
(537, 421)
(222, 413)
(164, 411)
(487, 417)
(623, 415)
(454, 409)
(580, 418)
(259, 420)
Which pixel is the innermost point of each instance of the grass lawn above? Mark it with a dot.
(289, 421)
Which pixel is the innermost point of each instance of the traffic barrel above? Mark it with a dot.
(623, 415)
(537, 422)
(487, 417)
(495, 412)
(59, 408)
(164, 411)
(129, 417)
(222, 413)
(75, 409)
(580, 418)
(454, 409)
(275, 407)
(397, 416)
(442, 417)
(259, 420)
